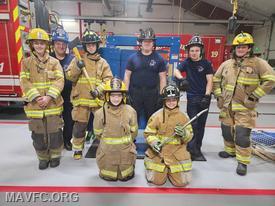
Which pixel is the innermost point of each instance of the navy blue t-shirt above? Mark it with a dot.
(65, 62)
(196, 72)
(145, 69)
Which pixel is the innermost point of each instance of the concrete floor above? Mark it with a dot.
(214, 182)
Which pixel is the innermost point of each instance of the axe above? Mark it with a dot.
(73, 46)
(184, 126)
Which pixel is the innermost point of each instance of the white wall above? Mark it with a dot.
(261, 36)
(70, 8)
(65, 8)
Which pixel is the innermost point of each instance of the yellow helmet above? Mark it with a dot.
(115, 85)
(243, 39)
(38, 34)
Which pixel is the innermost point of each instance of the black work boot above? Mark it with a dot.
(198, 157)
(54, 162)
(241, 169)
(43, 164)
(68, 146)
(224, 154)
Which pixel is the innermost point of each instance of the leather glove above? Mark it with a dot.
(183, 85)
(80, 64)
(95, 93)
(205, 101)
(156, 146)
(180, 131)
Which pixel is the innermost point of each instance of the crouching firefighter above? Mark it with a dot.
(42, 81)
(84, 99)
(239, 83)
(115, 125)
(168, 158)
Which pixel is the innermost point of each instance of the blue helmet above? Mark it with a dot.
(60, 34)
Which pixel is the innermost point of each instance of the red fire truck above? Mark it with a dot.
(214, 46)
(17, 17)
(14, 27)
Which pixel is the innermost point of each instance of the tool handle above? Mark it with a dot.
(78, 56)
(76, 53)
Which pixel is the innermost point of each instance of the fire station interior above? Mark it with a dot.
(214, 182)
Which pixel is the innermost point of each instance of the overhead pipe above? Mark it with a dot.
(187, 21)
(80, 22)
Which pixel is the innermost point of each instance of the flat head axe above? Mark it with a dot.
(73, 46)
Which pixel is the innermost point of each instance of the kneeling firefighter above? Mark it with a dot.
(115, 125)
(168, 159)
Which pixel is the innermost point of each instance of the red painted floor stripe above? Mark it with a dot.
(139, 190)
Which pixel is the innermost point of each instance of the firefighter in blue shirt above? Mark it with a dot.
(145, 75)
(199, 74)
(60, 40)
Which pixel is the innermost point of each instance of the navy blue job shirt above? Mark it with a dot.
(65, 62)
(145, 70)
(196, 72)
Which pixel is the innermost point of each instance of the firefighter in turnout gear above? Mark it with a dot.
(239, 83)
(42, 81)
(84, 99)
(115, 125)
(171, 159)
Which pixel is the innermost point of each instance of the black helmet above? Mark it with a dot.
(170, 91)
(147, 34)
(194, 41)
(90, 37)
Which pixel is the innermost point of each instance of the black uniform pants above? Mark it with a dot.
(68, 121)
(144, 100)
(193, 108)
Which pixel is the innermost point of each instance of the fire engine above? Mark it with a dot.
(214, 47)
(17, 17)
